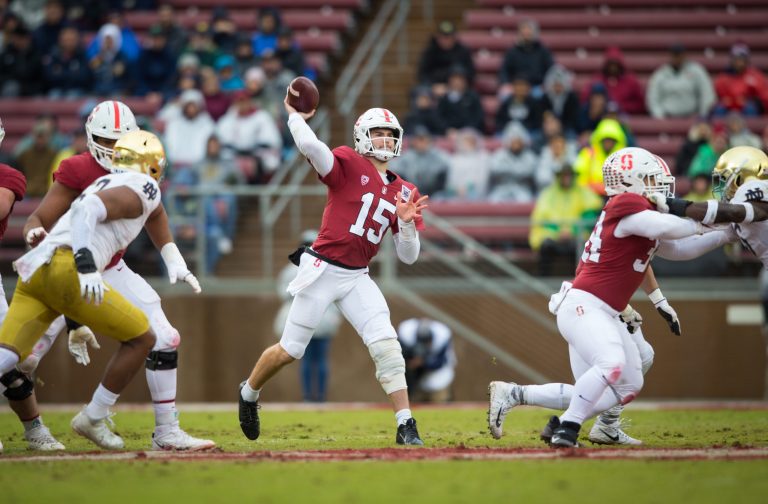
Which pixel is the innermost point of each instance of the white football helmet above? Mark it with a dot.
(109, 119)
(2, 131)
(377, 118)
(637, 171)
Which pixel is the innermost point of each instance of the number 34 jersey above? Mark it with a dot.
(108, 236)
(360, 208)
(612, 268)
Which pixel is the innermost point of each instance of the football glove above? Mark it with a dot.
(177, 267)
(92, 287)
(665, 310)
(79, 340)
(631, 318)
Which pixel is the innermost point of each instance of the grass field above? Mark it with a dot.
(349, 456)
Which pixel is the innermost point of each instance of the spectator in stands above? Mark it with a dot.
(469, 167)
(522, 107)
(563, 214)
(560, 99)
(175, 35)
(680, 88)
(267, 28)
(201, 45)
(46, 36)
(527, 57)
(594, 109)
(225, 68)
(264, 98)
(607, 138)
(129, 46)
(613, 111)
(216, 101)
(621, 85)
(738, 132)
(9, 22)
(743, 87)
(65, 69)
(707, 155)
(557, 153)
(460, 106)
(244, 55)
(701, 188)
(188, 67)
(765, 137)
(277, 78)
(35, 161)
(444, 52)
(78, 146)
(186, 134)
(430, 360)
(57, 139)
(422, 163)
(250, 131)
(290, 53)
(223, 30)
(112, 73)
(423, 113)
(513, 167)
(29, 12)
(20, 65)
(699, 134)
(155, 64)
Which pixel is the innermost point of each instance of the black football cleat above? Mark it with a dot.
(566, 436)
(548, 431)
(249, 416)
(407, 434)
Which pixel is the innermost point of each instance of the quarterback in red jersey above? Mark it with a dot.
(364, 200)
(108, 121)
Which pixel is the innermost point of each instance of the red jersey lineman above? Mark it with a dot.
(364, 200)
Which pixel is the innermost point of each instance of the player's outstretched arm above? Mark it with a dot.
(657, 226)
(55, 203)
(318, 154)
(714, 212)
(159, 232)
(692, 247)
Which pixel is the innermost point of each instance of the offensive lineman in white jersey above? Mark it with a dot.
(63, 275)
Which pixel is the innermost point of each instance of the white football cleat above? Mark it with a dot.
(40, 438)
(97, 431)
(177, 439)
(611, 434)
(502, 397)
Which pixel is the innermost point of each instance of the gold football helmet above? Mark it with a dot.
(735, 167)
(139, 151)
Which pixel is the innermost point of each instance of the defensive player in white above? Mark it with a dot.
(63, 275)
(108, 121)
(364, 200)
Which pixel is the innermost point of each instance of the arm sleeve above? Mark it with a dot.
(656, 226)
(407, 242)
(319, 155)
(87, 212)
(692, 247)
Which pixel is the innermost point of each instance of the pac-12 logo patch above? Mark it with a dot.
(383, 190)
(364, 179)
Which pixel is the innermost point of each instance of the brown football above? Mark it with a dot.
(303, 95)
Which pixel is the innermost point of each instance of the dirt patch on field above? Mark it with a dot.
(414, 454)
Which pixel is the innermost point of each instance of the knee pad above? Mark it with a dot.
(390, 364)
(162, 361)
(18, 385)
(168, 338)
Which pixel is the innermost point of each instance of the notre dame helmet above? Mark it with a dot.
(140, 151)
(735, 167)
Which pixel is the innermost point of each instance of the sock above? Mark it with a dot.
(611, 416)
(551, 395)
(249, 394)
(32, 424)
(586, 392)
(102, 399)
(402, 416)
(162, 388)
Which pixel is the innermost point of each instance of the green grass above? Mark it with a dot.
(561, 480)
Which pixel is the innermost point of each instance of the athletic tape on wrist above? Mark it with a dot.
(656, 297)
(709, 217)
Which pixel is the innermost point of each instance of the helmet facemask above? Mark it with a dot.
(378, 119)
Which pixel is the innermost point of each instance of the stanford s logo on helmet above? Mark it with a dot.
(637, 171)
(109, 119)
(372, 119)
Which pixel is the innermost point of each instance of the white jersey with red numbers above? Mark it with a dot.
(360, 209)
(612, 268)
(754, 236)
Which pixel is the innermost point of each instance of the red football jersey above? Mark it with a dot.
(78, 172)
(612, 268)
(15, 181)
(359, 210)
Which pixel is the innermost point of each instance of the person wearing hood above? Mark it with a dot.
(268, 26)
(443, 53)
(186, 134)
(560, 99)
(621, 84)
(680, 88)
(216, 101)
(111, 69)
(522, 107)
(743, 87)
(229, 79)
(513, 167)
(607, 138)
(527, 57)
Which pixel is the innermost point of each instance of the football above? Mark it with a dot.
(303, 94)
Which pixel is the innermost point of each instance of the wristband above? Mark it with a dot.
(677, 206)
(749, 211)
(656, 296)
(709, 217)
(84, 261)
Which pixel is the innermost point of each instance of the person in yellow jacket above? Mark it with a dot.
(564, 212)
(608, 137)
